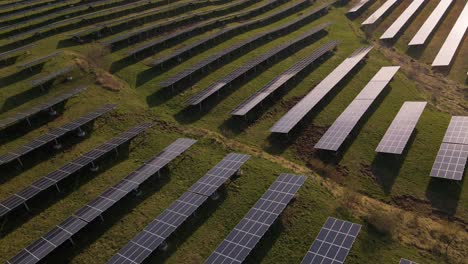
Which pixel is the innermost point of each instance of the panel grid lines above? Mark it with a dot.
(333, 242)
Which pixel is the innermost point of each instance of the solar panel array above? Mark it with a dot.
(197, 67)
(8, 54)
(222, 34)
(406, 261)
(453, 41)
(431, 23)
(154, 234)
(58, 13)
(202, 27)
(251, 102)
(359, 6)
(453, 153)
(401, 21)
(243, 238)
(53, 135)
(54, 178)
(333, 242)
(250, 66)
(378, 14)
(399, 132)
(300, 110)
(37, 61)
(47, 105)
(64, 231)
(342, 127)
(127, 19)
(45, 79)
(173, 21)
(19, 12)
(55, 25)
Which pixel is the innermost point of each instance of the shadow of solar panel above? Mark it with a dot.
(279, 81)
(236, 47)
(219, 174)
(399, 132)
(450, 161)
(300, 110)
(243, 238)
(453, 41)
(378, 14)
(402, 20)
(431, 23)
(333, 242)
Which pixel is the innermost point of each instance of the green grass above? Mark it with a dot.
(289, 239)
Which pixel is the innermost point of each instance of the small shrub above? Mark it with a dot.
(384, 222)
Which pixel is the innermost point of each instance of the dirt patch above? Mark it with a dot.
(444, 94)
(109, 82)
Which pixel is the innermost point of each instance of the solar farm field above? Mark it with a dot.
(233, 131)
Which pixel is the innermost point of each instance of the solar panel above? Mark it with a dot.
(378, 14)
(27, 114)
(251, 102)
(55, 25)
(457, 131)
(453, 153)
(8, 54)
(198, 67)
(128, 19)
(345, 123)
(399, 132)
(359, 6)
(453, 41)
(406, 261)
(207, 25)
(249, 66)
(42, 247)
(16, 13)
(53, 134)
(223, 34)
(38, 61)
(333, 242)
(243, 238)
(154, 234)
(300, 110)
(225, 169)
(19, 199)
(401, 21)
(45, 79)
(431, 23)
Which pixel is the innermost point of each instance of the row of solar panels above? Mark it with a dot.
(333, 242)
(276, 32)
(164, 24)
(209, 24)
(189, 50)
(453, 40)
